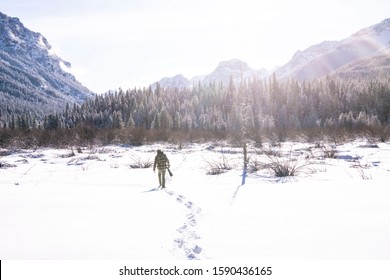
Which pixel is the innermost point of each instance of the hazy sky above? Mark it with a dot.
(132, 43)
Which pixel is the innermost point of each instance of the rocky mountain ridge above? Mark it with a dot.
(365, 52)
(234, 69)
(33, 79)
(329, 57)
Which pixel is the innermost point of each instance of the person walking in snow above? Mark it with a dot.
(162, 163)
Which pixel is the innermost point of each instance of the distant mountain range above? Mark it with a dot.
(338, 57)
(33, 79)
(233, 69)
(366, 52)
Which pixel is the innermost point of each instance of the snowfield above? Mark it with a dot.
(91, 204)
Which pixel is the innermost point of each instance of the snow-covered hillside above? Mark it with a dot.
(34, 79)
(59, 204)
(329, 56)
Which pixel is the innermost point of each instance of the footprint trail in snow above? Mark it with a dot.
(187, 241)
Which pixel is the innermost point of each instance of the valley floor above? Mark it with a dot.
(59, 204)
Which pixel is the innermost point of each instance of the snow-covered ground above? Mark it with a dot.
(93, 205)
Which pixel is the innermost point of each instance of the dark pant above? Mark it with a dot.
(161, 177)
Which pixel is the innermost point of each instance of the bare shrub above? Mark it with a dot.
(287, 166)
(254, 165)
(92, 157)
(384, 134)
(82, 160)
(138, 162)
(5, 137)
(358, 162)
(68, 155)
(135, 136)
(363, 174)
(281, 164)
(361, 167)
(271, 152)
(102, 150)
(217, 167)
(329, 151)
(6, 165)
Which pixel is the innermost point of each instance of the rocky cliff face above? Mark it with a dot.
(32, 77)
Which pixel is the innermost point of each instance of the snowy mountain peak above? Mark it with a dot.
(178, 81)
(233, 69)
(16, 38)
(36, 77)
(329, 56)
(225, 71)
(232, 64)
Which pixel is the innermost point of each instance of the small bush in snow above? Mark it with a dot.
(68, 155)
(361, 166)
(218, 167)
(287, 166)
(270, 151)
(6, 165)
(256, 164)
(138, 162)
(329, 151)
(92, 157)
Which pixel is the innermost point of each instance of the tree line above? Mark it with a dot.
(253, 108)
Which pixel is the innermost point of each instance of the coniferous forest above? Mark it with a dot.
(331, 108)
